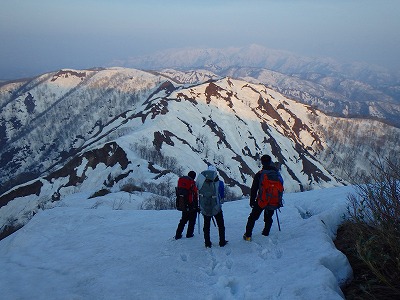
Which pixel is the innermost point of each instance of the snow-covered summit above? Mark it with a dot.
(84, 249)
(82, 130)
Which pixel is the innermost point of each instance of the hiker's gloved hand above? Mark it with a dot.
(198, 209)
(252, 203)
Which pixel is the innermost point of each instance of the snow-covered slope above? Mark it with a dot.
(84, 249)
(46, 120)
(83, 130)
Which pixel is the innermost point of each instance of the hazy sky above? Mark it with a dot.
(38, 36)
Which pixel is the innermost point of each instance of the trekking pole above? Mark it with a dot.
(277, 219)
(198, 221)
(212, 218)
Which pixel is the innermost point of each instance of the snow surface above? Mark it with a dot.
(85, 249)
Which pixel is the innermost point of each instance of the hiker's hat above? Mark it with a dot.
(212, 168)
(265, 160)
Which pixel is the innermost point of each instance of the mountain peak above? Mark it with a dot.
(91, 130)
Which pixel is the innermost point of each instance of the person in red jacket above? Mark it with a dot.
(189, 215)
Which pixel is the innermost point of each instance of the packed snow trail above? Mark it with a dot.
(74, 252)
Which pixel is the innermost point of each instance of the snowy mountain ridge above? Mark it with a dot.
(342, 89)
(65, 110)
(89, 130)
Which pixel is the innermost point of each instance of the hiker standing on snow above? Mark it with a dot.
(266, 195)
(211, 195)
(187, 202)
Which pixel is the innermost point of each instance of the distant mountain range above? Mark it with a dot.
(348, 90)
(75, 131)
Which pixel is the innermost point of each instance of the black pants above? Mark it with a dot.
(253, 217)
(190, 217)
(219, 218)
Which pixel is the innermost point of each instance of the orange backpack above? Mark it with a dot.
(270, 190)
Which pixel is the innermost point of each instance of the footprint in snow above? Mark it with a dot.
(184, 257)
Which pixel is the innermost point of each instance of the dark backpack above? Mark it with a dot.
(270, 190)
(208, 194)
(184, 194)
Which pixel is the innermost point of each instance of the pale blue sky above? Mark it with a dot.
(45, 35)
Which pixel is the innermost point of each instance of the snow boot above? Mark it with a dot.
(223, 243)
(265, 232)
(247, 238)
